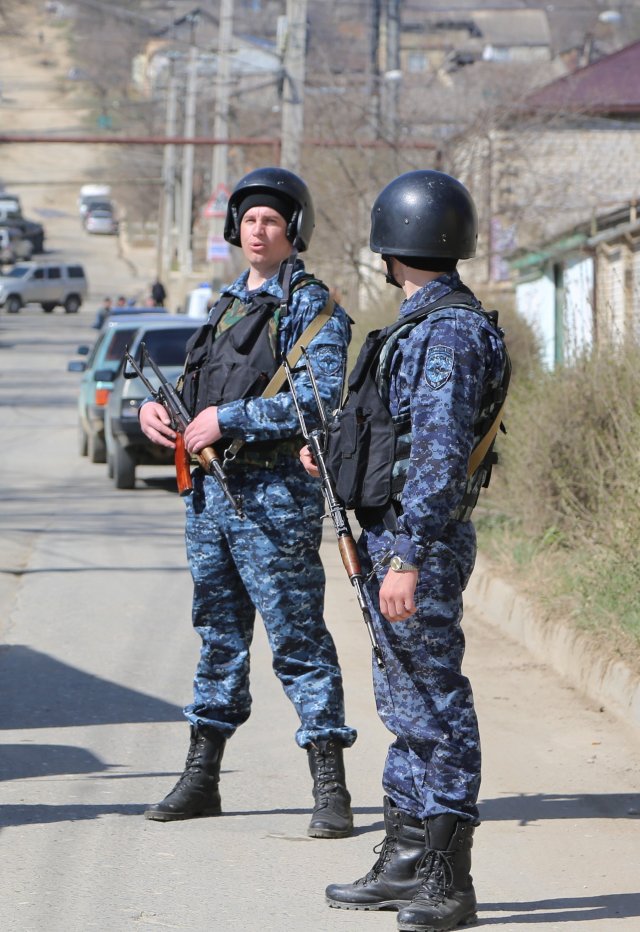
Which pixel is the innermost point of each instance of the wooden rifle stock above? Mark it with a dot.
(183, 467)
(171, 401)
(207, 457)
(346, 544)
(349, 554)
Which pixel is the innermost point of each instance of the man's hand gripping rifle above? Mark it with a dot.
(171, 401)
(317, 441)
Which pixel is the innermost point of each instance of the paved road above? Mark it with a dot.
(96, 663)
(96, 658)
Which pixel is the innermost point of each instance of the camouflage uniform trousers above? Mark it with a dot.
(433, 766)
(267, 562)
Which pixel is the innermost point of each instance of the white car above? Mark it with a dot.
(101, 221)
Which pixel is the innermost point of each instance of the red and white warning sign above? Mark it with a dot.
(216, 206)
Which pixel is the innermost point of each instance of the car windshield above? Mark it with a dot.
(18, 271)
(167, 347)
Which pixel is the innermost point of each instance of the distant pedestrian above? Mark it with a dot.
(158, 293)
(102, 313)
(122, 301)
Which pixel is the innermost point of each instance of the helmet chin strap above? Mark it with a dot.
(390, 280)
(284, 275)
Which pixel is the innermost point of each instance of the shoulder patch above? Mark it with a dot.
(439, 365)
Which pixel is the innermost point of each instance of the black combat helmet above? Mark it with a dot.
(277, 185)
(424, 214)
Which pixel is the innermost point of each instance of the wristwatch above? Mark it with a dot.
(398, 565)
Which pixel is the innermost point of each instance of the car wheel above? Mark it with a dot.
(48, 307)
(72, 304)
(13, 304)
(97, 450)
(83, 443)
(124, 469)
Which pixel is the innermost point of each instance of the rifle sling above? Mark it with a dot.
(482, 448)
(278, 379)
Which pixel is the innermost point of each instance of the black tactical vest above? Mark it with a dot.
(368, 450)
(237, 363)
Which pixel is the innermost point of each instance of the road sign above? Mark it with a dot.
(216, 206)
(217, 249)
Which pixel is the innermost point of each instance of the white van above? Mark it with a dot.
(89, 193)
(198, 301)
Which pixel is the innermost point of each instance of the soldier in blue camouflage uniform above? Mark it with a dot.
(269, 560)
(445, 376)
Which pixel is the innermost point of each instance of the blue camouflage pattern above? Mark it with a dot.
(269, 562)
(422, 696)
(274, 418)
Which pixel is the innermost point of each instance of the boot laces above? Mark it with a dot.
(193, 763)
(384, 849)
(327, 778)
(438, 876)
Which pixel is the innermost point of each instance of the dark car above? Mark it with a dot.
(99, 368)
(127, 446)
(29, 229)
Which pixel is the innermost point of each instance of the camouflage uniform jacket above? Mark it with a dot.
(255, 419)
(439, 375)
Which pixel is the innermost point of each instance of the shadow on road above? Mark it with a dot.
(20, 761)
(539, 807)
(19, 814)
(565, 909)
(38, 691)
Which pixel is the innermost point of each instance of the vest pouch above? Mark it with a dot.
(359, 457)
(197, 350)
(237, 363)
(229, 381)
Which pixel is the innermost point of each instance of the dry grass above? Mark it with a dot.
(563, 512)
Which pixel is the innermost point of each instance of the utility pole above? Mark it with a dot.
(293, 88)
(374, 66)
(187, 153)
(220, 158)
(393, 73)
(165, 239)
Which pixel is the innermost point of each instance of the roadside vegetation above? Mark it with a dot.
(561, 519)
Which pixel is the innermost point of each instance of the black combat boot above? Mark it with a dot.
(396, 875)
(196, 792)
(446, 898)
(331, 817)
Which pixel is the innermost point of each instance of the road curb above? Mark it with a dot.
(609, 683)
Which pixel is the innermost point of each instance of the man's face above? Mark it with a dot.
(263, 239)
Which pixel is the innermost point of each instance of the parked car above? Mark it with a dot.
(10, 202)
(92, 193)
(127, 446)
(98, 371)
(30, 229)
(100, 221)
(103, 316)
(13, 246)
(50, 285)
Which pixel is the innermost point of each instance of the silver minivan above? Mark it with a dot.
(49, 284)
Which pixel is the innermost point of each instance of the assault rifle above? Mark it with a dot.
(317, 441)
(168, 397)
